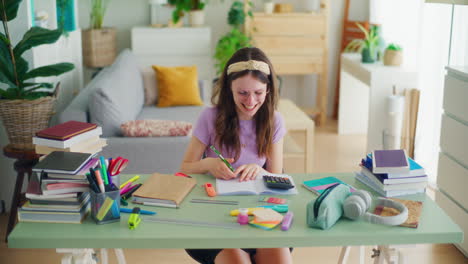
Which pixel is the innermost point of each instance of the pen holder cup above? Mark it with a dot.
(105, 207)
(116, 180)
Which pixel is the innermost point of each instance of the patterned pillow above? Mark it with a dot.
(156, 128)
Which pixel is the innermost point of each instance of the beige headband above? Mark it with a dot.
(249, 65)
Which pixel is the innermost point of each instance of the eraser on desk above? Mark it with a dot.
(210, 191)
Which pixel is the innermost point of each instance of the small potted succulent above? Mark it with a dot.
(366, 46)
(393, 55)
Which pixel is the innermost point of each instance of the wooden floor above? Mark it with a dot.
(333, 153)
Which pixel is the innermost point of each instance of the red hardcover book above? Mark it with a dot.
(65, 130)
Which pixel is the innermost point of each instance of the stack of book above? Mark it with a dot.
(63, 198)
(392, 173)
(71, 136)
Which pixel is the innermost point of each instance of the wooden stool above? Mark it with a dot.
(25, 160)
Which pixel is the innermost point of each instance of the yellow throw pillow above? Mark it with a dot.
(177, 86)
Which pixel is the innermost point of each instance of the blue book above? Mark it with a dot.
(415, 170)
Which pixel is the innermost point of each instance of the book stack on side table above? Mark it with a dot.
(71, 136)
(63, 198)
(392, 173)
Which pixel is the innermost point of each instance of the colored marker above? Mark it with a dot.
(222, 158)
(99, 180)
(134, 178)
(287, 221)
(104, 170)
(129, 211)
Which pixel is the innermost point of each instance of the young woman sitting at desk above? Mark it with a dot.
(244, 126)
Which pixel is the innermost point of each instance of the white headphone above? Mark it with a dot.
(356, 205)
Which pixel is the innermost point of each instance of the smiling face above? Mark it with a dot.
(249, 95)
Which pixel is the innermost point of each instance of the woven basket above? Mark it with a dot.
(99, 47)
(23, 118)
(392, 58)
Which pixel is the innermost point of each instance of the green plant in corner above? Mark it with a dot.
(235, 39)
(98, 10)
(183, 6)
(15, 73)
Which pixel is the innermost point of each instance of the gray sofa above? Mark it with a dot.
(116, 95)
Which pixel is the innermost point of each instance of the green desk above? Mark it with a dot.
(435, 227)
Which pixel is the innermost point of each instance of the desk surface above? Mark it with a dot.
(435, 227)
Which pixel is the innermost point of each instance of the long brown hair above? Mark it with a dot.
(227, 120)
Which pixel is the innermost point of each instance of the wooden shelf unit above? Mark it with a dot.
(297, 44)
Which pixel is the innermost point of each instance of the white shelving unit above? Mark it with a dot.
(452, 178)
(363, 90)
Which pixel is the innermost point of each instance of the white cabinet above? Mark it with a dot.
(452, 178)
(364, 88)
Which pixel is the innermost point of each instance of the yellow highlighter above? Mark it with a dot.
(104, 208)
(136, 177)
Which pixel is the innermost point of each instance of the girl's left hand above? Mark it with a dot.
(248, 172)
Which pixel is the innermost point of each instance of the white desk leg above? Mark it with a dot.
(388, 255)
(361, 254)
(344, 253)
(120, 256)
(77, 255)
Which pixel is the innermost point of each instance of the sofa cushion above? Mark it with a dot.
(150, 85)
(156, 128)
(119, 97)
(177, 86)
(178, 113)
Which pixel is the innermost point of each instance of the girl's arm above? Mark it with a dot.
(193, 162)
(274, 164)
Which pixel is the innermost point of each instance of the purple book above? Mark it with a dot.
(390, 161)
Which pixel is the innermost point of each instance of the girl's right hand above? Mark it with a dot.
(218, 169)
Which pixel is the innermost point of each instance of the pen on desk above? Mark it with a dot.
(129, 211)
(134, 178)
(222, 158)
(157, 204)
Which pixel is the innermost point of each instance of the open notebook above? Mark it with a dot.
(254, 187)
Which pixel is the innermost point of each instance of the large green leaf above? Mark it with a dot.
(49, 70)
(22, 68)
(36, 36)
(6, 71)
(10, 8)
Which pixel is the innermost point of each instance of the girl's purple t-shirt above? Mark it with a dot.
(205, 132)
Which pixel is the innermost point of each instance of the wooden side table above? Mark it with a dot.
(25, 160)
(299, 141)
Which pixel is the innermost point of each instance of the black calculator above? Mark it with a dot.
(277, 182)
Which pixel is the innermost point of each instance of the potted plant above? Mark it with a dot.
(195, 9)
(235, 39)
(25, 105)
(99, 43)
(393, 55)
(367, 46)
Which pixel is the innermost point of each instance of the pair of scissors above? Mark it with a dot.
(117, 165)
